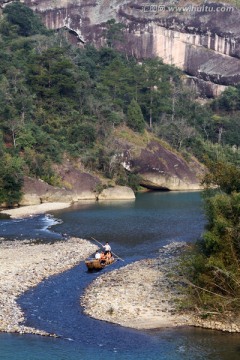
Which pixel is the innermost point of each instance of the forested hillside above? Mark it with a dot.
(58, 99)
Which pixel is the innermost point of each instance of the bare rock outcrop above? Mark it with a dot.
(37, 191)
(79, 183)
(117, 193)
(76, 185)
(161, 168)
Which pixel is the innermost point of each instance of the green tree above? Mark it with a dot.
(24, 18)
(225, 176)
(2, 147)
(155, 93)
(213, 272)
(229, 100)
(82, 136)
(11, 179)
(114, 32)
(119, 82)
(51, 75)
(135, 118)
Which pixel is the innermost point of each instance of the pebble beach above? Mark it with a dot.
(146, 295)
(142, 295)
(24, 264)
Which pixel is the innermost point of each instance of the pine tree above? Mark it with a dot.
(135, 118)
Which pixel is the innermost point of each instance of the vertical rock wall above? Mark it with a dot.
(206, 45)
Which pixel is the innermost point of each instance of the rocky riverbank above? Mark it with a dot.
(24, 264)
(146, 295)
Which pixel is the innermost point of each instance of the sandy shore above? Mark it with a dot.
(25, 211)
(24, 264)
(146, 295)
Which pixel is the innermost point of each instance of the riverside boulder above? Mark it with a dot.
(76, 185)
(161, 168)
(117, 193)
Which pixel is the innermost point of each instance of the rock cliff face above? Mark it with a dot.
(203, 40)
(160, 168)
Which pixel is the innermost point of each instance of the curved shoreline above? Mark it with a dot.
(24, 264)
(139, 295)
(26, 211)
(145, 295)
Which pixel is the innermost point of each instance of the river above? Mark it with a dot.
(135, 230)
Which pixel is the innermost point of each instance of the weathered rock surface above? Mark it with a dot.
(81, 184)
(117, 193)
(77, 185)
(160, 168)
(37, 191)
(204, 43)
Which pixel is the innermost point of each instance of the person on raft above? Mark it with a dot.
(100, 256)
(107, 249)
(103, 258)
(97, 255)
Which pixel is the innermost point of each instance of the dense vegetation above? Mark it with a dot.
(56, 98)
(213, 269)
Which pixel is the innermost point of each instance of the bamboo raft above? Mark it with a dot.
(95, 264)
